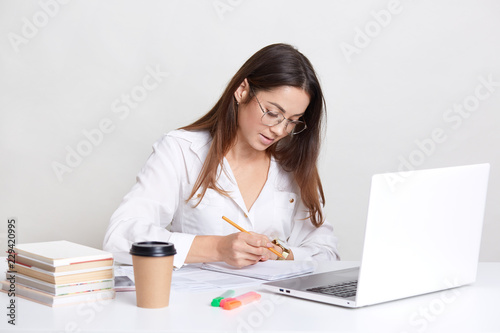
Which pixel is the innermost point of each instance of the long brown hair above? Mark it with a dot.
(273, 66)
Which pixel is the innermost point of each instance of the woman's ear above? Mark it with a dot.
(242, 92)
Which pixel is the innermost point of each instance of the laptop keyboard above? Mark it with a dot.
(344, 289)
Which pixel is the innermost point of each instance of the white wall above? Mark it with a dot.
(67, 67)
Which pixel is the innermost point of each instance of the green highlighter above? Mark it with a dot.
(216, 301)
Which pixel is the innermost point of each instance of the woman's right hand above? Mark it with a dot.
(242, 249)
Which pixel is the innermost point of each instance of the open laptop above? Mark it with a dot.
(423, 234)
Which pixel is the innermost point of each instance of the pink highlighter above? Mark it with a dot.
(233, 303)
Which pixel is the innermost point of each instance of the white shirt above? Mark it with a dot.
(156, 208)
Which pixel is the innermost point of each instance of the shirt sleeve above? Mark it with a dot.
(148, 209)
(310, 243)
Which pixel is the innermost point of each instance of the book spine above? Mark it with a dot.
(65, 279)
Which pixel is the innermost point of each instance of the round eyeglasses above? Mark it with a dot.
(273, 118)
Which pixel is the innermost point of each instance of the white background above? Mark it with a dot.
(65, 68)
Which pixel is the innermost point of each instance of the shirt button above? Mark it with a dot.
(292, 200)
(246, 215)
(198, 195)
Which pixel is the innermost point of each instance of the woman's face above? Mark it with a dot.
(290, 102)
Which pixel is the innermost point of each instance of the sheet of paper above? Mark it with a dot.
(268, 270)
(191, 278)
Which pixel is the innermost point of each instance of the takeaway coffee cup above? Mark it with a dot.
(153, 265)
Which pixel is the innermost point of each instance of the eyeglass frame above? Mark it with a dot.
(283, 117)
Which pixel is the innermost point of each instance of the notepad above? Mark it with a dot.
(268, 270)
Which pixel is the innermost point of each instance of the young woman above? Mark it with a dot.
(251, 158)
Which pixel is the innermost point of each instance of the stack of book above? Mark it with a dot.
(61, 273)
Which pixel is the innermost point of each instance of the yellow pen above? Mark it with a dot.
(243, 230)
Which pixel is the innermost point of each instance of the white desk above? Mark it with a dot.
(474, 309)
